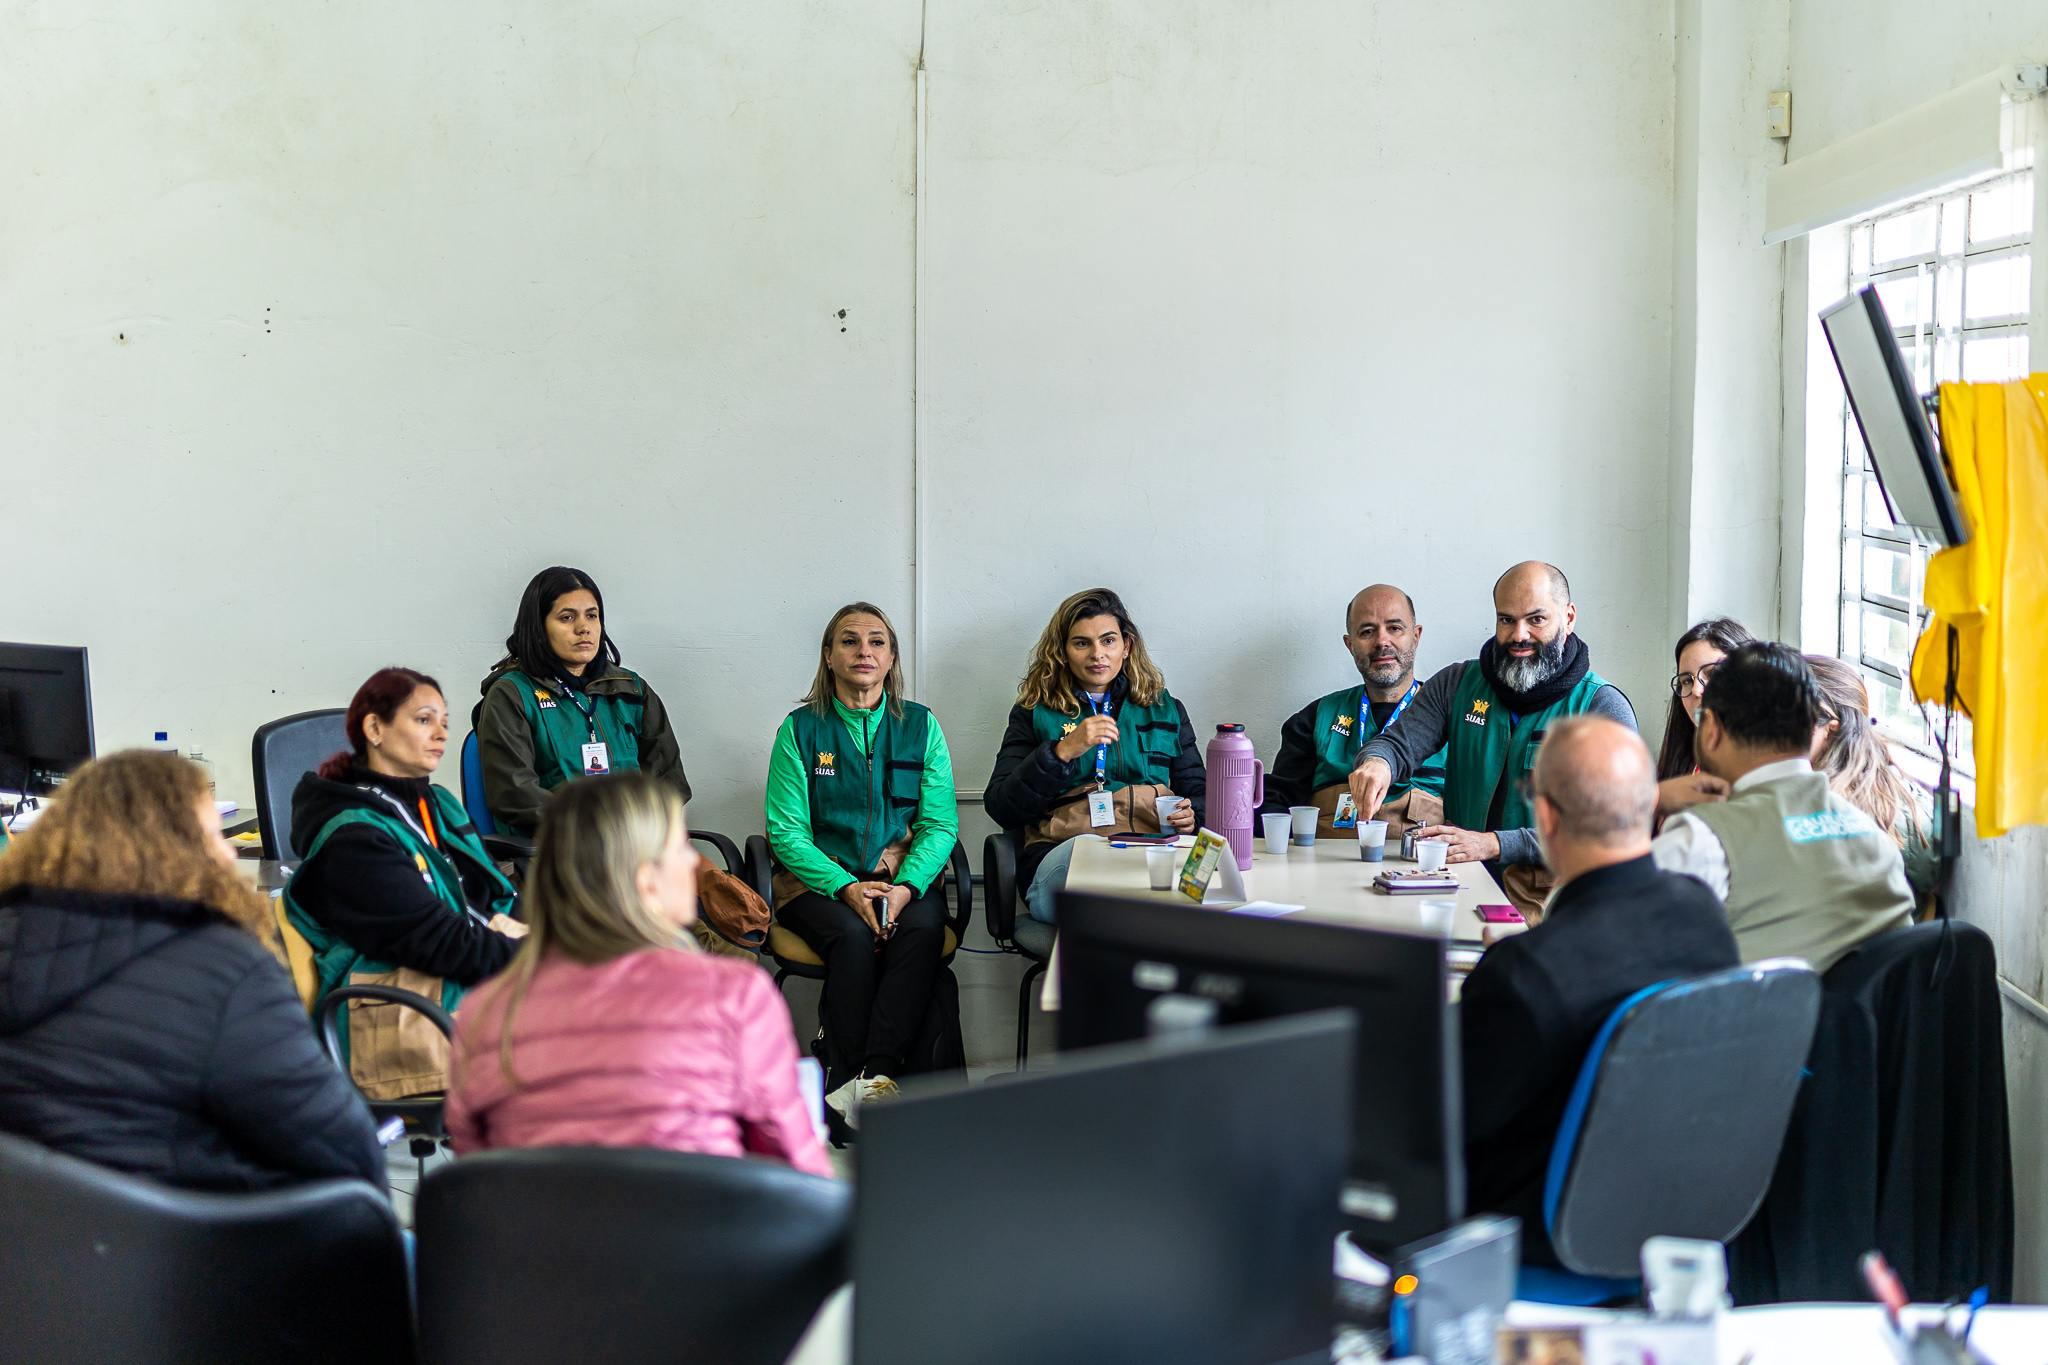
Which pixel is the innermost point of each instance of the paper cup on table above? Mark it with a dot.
(1372, 840)
(1159, 866)
(1432, 854)
(1304, 820)
(1278, 826)
(1437, 916)
(1166, 805)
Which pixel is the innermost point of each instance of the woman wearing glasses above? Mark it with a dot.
(1680, 783)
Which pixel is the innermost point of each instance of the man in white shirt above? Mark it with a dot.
(1800, 871)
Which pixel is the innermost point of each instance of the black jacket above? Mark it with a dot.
(1531, 1007)
(155, 1037)
(1029, 777)
(365, 887)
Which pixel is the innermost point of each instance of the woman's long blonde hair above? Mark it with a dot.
(581, 897)
(1856, 760)
(819, 698)
(1047, 681)
(128, 825)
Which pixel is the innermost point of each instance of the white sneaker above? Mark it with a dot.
(849, 1098)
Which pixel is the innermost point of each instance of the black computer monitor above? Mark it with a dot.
(45, 715)
(1408, 1162)
(1156, 1201)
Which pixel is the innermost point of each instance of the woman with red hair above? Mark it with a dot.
(393, 886)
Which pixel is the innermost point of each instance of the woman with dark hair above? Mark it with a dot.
(862, 820)
(558, 706)
(393, 886)
(144, 1023)
(1093, 742)
(1680, 783)
(1858, 763)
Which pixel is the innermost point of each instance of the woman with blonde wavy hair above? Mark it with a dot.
(145, 1022)
(611, 1027)
(1093, 742)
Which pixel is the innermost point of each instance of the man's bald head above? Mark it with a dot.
(1381, 632)
(1530, 578)
(1599, 778)
(1377, 603)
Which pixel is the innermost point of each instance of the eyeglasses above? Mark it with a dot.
(1685, 684)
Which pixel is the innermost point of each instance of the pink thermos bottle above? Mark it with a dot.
(1237, 784)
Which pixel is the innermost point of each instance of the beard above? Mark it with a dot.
(1387, 672)
(1525, 675)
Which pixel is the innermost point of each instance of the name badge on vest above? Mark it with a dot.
(1347, 812)
(596, 761)
(1101, 810)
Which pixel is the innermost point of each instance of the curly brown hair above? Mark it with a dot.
(1047, 681)
(128, 825)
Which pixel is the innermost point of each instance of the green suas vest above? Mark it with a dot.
(560, 730)
(334, 959)
(1147, 739)
(1339, 738)
(1484, 749)
(862, 799)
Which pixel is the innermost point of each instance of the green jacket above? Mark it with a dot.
(333, 959)
(1339, 736)
(1147, 741)
(844, 786)
(530, 736)
(1485, 751)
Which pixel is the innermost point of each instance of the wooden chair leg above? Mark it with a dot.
(1036, 970)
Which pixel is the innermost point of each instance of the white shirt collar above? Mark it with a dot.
(1770, 772)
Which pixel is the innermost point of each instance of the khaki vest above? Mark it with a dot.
(1809, 875)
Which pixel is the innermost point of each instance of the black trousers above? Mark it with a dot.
(874, 1001)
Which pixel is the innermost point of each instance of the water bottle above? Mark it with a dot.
(1237, 784)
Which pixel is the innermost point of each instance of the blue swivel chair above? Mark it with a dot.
(1674, 1125)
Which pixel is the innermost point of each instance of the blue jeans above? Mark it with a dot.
(1049, 881)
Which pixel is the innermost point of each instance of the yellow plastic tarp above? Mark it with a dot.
(1994, 590)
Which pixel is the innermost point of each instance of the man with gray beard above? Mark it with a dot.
(1488, 715)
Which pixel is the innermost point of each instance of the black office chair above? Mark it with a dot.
(420, 1113)
(285, 751)
(1014, 933)
(624, 1255)
(1674, 1126)
(102, 1266)
(793, 956)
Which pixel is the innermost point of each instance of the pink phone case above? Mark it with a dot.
(1500, 914)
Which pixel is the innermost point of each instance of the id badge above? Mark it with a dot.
(1347, 812)
(1101, 810)
(596, 761)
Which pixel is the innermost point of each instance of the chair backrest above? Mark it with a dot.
(285, 751)
(97, 1265)
(623, 1255)
(473, 787)
(1674, 1125)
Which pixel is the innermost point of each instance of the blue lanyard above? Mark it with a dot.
(1101, 750)
(1365, 710)
(589, 718)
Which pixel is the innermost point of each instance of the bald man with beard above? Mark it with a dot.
(1319, 743)
(1488, 716)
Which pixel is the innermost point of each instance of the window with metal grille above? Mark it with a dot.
(1955, 274)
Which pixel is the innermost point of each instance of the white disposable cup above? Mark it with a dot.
(1437, 916)
(1431, 854)
(1305, 818)
(1159, 865)
(1166, 805)
(1278, 825)
(1372, 840)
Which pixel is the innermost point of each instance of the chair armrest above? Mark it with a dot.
(999, 886)
(331, 1005)
(963, 892)
(760, 868)
(727, 849)
(507, 847)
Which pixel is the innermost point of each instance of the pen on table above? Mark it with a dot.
(1884, 1285)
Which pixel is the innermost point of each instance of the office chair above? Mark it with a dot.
(285, 751)
(421, 1113)
(793, 956)
(1674, 1125)
(624, 1255)
(1013, 933)
(102, 1266)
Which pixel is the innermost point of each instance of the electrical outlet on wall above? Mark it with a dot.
(1779, 113)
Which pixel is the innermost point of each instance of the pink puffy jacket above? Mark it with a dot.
(660, 1048)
